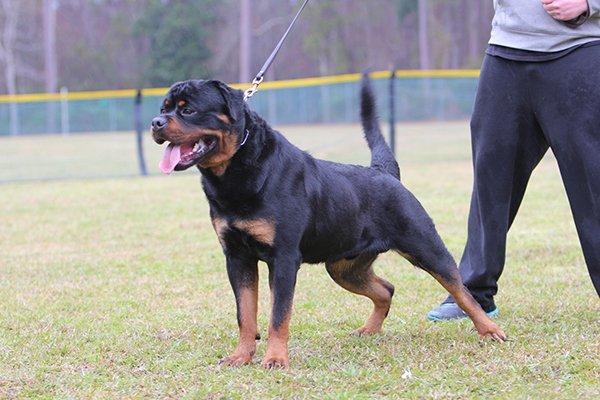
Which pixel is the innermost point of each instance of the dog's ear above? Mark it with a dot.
(234, 100)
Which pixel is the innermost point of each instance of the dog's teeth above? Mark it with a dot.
(198, 145)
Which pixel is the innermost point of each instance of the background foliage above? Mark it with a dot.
(104, 44)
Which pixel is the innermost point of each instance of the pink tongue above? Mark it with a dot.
(170, 159)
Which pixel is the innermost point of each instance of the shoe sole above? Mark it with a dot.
(491, 314)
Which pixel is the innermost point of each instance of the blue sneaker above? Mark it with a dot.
(450, 311)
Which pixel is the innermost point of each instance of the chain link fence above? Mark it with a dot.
(90, 135)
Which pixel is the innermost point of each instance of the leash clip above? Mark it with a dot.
(254, 88)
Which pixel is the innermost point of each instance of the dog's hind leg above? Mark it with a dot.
(357, 276)
(484, 325)
(425, 249)
(411, 233)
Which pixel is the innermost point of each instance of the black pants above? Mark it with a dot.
(523, 108)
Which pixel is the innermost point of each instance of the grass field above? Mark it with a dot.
(116, 288)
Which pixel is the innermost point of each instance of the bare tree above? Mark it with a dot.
(424, 58)
(245, 40)
(94, 44)
(475, 11)
(50, 62)
(10, 11)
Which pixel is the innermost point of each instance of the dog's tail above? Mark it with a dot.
(382, 157)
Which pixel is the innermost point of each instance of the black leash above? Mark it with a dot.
(261, 75)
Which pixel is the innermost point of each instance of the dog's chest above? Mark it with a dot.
(236, 234)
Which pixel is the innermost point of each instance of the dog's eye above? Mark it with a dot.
(187, 111)
(163, 110)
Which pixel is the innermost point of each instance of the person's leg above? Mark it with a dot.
(571, 121)
(507, 144)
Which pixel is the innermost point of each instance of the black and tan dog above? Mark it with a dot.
(271, 201)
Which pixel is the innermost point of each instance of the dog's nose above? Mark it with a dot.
(158, 123)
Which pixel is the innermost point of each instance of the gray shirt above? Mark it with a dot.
(524, 24)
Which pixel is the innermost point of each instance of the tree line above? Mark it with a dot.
(105, 44)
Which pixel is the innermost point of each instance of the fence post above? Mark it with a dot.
(393, 111)
(137, 113)
(64, 111)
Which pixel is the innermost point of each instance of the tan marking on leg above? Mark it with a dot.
(365, 283)
(262, 230)
(382, 301)
(277, 345)
(277, 355)
(483, 324)
(220, 226)
(247, 309)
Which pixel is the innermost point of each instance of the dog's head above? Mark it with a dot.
(203, 121)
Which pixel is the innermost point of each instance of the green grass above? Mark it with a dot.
(117, 289)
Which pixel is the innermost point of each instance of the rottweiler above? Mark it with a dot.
(273, 202)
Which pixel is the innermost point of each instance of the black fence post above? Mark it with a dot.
(139, 132)
(393, 111)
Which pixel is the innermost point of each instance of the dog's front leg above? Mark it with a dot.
(282, 280)
(243, 276)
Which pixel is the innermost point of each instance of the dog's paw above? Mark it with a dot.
(237, 360)
(276, 362)
(492, 331)
(366, 331)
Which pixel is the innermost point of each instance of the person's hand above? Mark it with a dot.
(565, 10)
